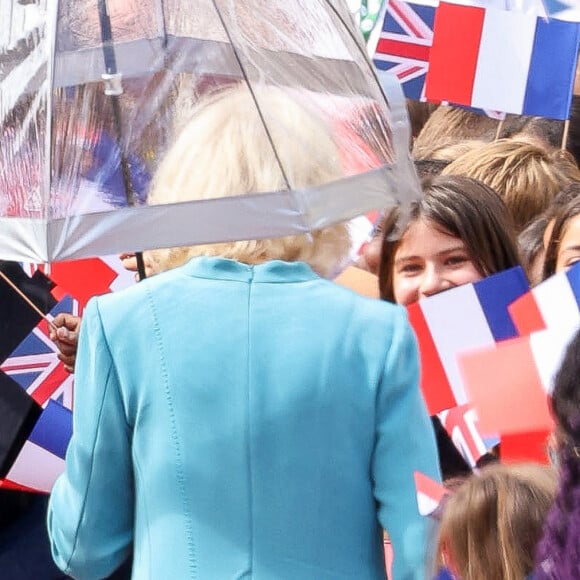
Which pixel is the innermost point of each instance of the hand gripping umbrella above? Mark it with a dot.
(93, 91)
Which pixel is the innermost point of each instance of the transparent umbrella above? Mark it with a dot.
(92, 93)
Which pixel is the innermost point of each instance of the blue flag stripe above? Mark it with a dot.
(552, 69)
(495, 294)
(53, 429)
(573, 275)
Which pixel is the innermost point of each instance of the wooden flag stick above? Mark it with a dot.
(498, 130)
(26, 299)
(565, 134)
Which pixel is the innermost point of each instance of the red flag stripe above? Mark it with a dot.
(403, 49)
(409, 72)
(50, 384)
(436, 389)
(452, 70)
(526, 314)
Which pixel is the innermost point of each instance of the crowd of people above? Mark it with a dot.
(239, 415)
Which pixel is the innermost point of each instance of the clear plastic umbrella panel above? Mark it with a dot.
(93, 93)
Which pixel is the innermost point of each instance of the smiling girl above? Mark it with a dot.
(460, 232)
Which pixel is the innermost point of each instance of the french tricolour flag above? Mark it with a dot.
(503, 60)
(41, 459)
(508, 383)
(463, 318)
(550, 304)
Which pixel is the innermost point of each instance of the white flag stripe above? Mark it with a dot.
(406, 19)
(427, 505)
(457, 323)
(124, 278)
(36, 468)
(410, 40)
(556, 301)
(534, 7)
(548, 349)
(504, 55)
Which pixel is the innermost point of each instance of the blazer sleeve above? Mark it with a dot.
(90, 513)
(404, 443)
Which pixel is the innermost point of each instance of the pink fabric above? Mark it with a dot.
(388, 558)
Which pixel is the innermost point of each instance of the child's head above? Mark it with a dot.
(464, 234)
(490, 526)
(531, 248)
(526, 175)
(561, 237)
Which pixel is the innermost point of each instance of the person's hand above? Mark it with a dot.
(129, 261)
(64, 332)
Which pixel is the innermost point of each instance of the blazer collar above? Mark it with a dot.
(274, 271)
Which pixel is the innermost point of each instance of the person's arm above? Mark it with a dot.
(404, 443)
(90, 515)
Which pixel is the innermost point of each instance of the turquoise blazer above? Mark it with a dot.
(239, 422)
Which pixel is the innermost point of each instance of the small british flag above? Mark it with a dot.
(404, 44)
(461, 424)
(35, 366)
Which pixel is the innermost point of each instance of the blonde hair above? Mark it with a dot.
(449, 151)
(224, 150)
(490, 526)
(526, 175)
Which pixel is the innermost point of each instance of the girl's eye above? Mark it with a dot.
(456, 260)
(410, 268)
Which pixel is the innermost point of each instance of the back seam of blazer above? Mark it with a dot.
(249, 427)
(180, 474)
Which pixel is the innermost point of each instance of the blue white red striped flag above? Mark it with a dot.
(41, 459)
(35, 366)
(504, 60)
(551, 304)
(466, 317)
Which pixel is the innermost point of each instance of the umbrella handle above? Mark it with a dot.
(140, 266)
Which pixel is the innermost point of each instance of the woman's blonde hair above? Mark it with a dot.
(526, 175)
(490, 526)
(224, 150)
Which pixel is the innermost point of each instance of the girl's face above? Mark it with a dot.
(569, 247)
(428, 261)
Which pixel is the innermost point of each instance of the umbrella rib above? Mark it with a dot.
(247, 79)
(358, 46)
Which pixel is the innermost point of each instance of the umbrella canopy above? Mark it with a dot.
(94, 92)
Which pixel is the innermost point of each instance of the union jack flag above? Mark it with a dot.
(404, 44)
(461, 424)
(34, 364)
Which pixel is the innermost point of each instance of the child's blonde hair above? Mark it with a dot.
(490, 526)
(526, 175)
